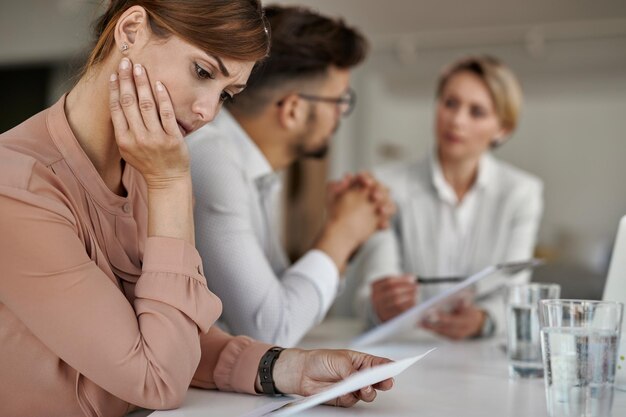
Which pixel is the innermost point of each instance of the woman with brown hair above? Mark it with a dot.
(103, 304)
(459, 209)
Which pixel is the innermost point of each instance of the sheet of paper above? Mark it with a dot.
(267, 409)
(353, 383)
(411, 317)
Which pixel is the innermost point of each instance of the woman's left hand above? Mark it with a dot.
(307, 372)
(466, 320)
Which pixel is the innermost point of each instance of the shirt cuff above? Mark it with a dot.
(238, 365)
(166, 254)
(320, 269)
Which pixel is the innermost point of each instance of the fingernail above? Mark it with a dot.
(137, 69)
(125, 64)
(159, 86)
(113, 77)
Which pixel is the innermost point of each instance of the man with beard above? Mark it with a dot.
(289, 110)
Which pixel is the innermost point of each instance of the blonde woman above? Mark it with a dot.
(459, 209)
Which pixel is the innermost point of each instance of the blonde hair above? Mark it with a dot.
(502, 84)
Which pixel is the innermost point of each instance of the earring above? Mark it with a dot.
(124, 47)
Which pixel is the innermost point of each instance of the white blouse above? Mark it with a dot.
(433, 235)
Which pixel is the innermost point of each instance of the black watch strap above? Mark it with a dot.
(266, 369)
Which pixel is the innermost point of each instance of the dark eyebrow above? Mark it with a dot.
(220, 63)
(224, 71)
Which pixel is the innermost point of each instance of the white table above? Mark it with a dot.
(458, 379)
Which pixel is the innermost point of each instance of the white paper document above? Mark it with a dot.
(354, 382)
(411, 317)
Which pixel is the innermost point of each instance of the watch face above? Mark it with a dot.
(488, 326)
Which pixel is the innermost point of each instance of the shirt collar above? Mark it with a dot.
(485, 171)
(255, 164)
(445, 191)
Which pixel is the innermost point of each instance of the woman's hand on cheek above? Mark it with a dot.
(145, 128)
(309, 372)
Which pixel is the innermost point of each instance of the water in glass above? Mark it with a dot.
(580, 371)
(524, 348)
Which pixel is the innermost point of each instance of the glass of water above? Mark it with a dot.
(579, 341)
(523, 340)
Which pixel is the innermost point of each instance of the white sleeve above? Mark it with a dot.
(524, 228)
(525, 222)
(256, 302)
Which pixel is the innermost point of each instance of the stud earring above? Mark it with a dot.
(124, 47)
(497, 142)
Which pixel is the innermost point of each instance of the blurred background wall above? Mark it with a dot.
(570, 56)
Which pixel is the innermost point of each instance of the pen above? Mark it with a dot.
(507, 268)
(438, 280)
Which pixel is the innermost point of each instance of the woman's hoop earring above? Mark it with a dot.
(124, 47)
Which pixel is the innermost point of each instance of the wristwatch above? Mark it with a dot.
(266, 369)
(489, 326)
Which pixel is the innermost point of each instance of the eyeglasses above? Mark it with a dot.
(345, 103)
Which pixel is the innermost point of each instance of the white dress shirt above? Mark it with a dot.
(435, 235)
(238, 237)
(456, 220)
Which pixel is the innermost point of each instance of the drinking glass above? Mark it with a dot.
(523, 339)
(579, 342)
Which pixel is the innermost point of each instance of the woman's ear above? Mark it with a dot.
(132, 29)
(292, 111)
(501, 137)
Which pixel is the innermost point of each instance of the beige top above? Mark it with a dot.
(96, 317)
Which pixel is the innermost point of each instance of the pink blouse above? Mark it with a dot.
(95, 317)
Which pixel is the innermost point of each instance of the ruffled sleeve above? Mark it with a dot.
(229, 363)
(144, 353)
(172, 274)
